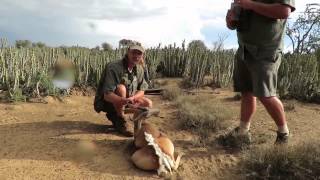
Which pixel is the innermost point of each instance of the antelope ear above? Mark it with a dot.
(153, 112)
(177, 160)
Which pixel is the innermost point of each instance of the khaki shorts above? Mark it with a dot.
(257, 74)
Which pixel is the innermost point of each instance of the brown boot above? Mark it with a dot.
(123, 126)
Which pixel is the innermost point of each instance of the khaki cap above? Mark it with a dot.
(137, 47)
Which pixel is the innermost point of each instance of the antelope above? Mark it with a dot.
(155, 151)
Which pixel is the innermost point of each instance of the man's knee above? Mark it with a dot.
(264, 100)
(121, 89)
(247, 96)
(149, 103)
(146, 102)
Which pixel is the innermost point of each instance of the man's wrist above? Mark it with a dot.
(122, 99)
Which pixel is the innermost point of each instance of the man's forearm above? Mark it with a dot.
(276, 11)
(111, 97)
(139, 94)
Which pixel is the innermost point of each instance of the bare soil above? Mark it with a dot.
(69, 140)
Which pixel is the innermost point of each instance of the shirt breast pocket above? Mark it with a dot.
(124, 80)
(135, 83)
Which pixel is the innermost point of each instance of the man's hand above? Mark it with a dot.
(273, 10)
(123, 101)
(131, 99)
(230, 24)
(245, 4)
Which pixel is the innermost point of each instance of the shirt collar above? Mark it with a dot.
(125, 65)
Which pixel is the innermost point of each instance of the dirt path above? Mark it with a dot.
(68, 140)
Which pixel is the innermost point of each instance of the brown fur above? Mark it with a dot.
(139, 139)
(144, 157)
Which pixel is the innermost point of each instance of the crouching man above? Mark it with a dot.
(122, 82)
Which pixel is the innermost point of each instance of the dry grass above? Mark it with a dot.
(289, 106)
(159, 83)
(186, 84)
(234, 140)
(171, 93)
(201, 116)
(280, 162)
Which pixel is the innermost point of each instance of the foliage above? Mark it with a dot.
(106, 46)
(197, 44)
(299, 75)
(23, 44)
(304, 33)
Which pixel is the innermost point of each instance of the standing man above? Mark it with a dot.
(260, 28)
(122, 82)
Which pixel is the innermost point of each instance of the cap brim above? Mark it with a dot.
(139, 48)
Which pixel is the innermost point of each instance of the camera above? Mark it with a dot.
(241, 17)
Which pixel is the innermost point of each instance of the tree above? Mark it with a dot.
(218, 45)
(23, 44)
(125, 42)
(318, 55)
(197, 44)
(96, 48)
(304, 33)
(39, 44)
(106, 46)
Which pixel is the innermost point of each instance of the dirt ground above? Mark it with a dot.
(69, 140)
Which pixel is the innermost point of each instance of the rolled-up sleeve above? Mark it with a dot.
(110, 80)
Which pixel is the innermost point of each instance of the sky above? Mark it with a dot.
(91, 22)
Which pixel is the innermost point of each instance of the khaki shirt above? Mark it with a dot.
(116, 73)
(261, 34)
